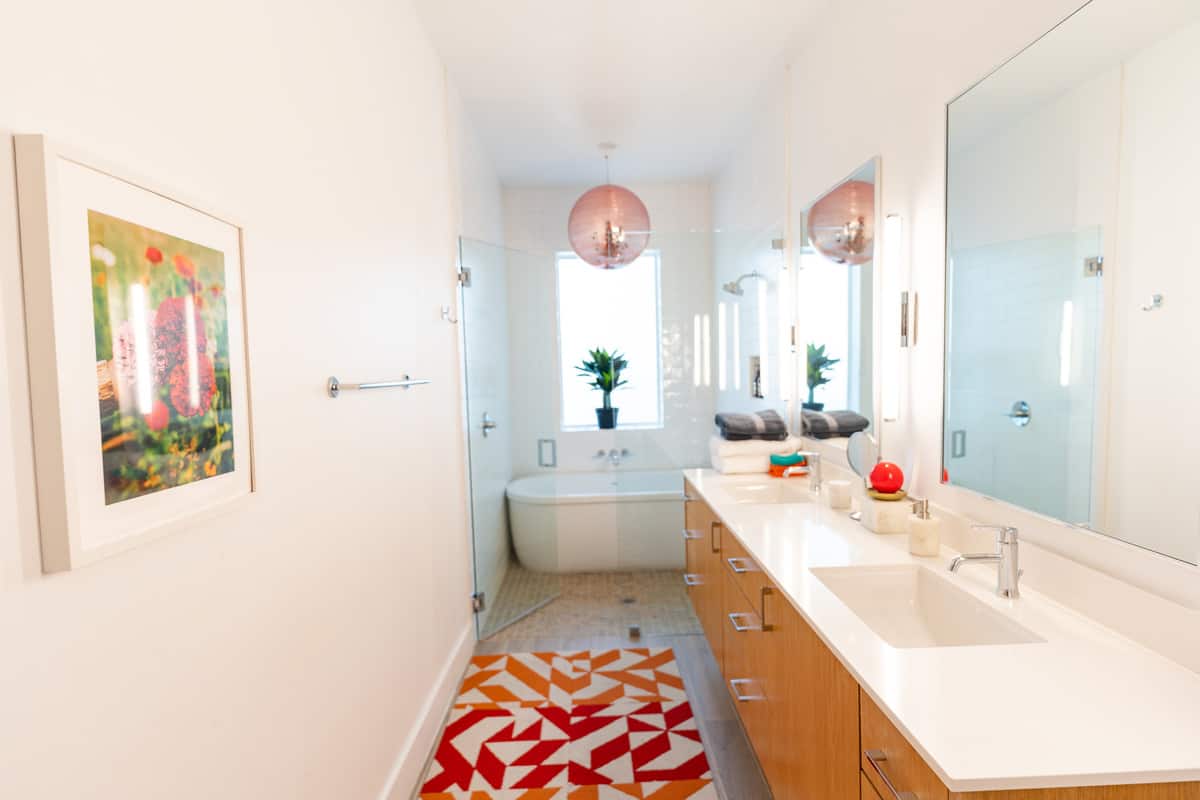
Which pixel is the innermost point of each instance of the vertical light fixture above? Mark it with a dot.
(783, 333)
(1064, 344)
(892, 286)
(737, 347)
(763, 345)
(722, 333)
(706, 329)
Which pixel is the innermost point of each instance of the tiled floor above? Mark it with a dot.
(522, 593)
(593, 603)
(733, 764)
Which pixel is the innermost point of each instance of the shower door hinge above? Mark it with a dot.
(464, 277)
(779, 244)
(1093, 267)
(478, 602)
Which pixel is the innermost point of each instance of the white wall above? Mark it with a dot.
(535, 223)
(290, 648)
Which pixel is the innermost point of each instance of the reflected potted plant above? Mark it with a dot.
(603, 372)
(819, 365)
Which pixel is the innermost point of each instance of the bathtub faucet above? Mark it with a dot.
(614, 456)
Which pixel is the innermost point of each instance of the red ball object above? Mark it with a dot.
(887, 478)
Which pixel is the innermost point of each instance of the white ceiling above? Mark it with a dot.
(672, 82)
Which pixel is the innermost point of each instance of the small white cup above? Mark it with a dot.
(838, 493)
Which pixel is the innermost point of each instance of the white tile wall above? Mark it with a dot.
(535, 228)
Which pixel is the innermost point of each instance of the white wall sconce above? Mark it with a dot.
(896, 336)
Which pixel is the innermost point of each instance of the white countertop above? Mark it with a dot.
(1086, 707)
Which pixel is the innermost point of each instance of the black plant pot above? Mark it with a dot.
(814, 406)
(606, 418)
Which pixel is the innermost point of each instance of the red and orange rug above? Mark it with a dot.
(590, 725)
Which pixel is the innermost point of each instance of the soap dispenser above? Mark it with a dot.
(924, 530)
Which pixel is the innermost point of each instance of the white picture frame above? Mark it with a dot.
(131, 447)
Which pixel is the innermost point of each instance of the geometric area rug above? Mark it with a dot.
(588, 725)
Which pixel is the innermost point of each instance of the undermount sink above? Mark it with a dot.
(909, 606)
(774, 490)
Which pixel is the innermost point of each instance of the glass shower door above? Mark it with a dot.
(506, 590)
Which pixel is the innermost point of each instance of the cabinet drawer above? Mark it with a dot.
(867, 791)
(746, 573)
(743, 667)
(888, 757)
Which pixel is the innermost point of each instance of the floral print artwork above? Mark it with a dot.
(162, 358)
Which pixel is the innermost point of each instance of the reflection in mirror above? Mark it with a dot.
(1071, 274)
(834, 301)
(750, 275)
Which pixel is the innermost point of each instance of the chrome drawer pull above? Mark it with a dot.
(740, 628)
(687, 498)
(762, 607)
(736, 683)
(878, 756)
(690, 534)
(712, 533)
(740, 570)
(691, 580)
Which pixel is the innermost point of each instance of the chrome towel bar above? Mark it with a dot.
(335, 387)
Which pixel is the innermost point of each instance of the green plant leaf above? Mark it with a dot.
(603, 371)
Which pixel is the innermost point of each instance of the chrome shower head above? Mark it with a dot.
(735, 287)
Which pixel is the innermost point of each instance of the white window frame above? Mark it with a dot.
(660, 424)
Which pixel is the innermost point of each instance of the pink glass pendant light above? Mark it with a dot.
(841, 225)
(609, 226)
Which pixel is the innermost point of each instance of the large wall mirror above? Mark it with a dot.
(834, 335)
(1073, 276)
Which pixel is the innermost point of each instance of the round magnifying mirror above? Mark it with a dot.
(862, 451)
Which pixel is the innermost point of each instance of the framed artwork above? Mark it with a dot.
(135, 324)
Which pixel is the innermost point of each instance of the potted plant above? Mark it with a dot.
(819, 365)
(604, 373)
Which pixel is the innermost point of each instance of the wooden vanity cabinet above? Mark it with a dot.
(702, 574)
(799, 706)
(894, 759)
(817, 735)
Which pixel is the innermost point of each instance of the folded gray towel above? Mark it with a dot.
(829, 424)
(767, 425)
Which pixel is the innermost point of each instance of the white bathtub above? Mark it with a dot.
(598, 521)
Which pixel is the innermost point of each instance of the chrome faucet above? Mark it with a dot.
(813, 465)
(1008, 573)
(614, 455)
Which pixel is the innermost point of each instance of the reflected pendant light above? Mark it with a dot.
(609, 226)
(841, 225)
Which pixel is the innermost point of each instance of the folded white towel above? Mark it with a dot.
(752, 447)
(742, 465)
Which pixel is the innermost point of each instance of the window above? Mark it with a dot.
(825, 311)
(614, 309)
